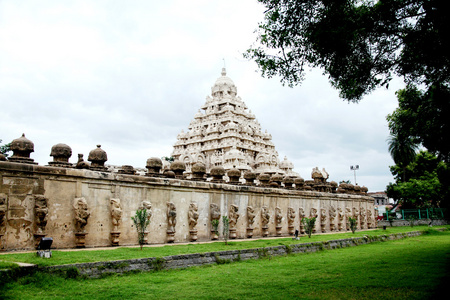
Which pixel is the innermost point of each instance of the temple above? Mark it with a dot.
(225, 133)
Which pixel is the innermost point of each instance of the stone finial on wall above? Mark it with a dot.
(278, 220)
(81, 164)
(61, 154)
(116, 219)
(233, 216)
(22, 148)
(81, 218)
(291, 219)
(178, 167)
(98, 157)
(193, 217)
(265, 218)
(154, 165)
(250, 220)
(215, 217)
(171, 221)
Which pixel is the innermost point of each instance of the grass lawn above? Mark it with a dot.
(69, 257)
(412, 268)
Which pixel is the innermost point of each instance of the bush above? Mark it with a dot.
(309, 225)
(141, 220)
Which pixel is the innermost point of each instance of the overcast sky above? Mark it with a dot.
(130, 75)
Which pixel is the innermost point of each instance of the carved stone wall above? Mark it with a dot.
(68, 214)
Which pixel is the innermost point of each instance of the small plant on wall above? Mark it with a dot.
(352, 224)
(309, 224)
(215, 226)
(141, 220)
(226, 227)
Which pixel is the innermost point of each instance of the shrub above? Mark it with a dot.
(352, 224)
(309, 225)
(141, 220)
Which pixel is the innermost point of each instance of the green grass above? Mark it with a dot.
(70, 257)
(412, 268)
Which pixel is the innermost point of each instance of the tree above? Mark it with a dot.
(4, 149)
(360, 45)
(309, 225)
(402, 150)
(423, 186)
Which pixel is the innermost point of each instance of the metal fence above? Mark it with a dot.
(420, 213)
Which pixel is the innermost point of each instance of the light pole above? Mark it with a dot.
(354, 168)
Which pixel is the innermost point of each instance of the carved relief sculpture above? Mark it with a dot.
(301, 213)
(193, 217)
(313, 213)
(265, 218)
(341, 216)
(116, 218)
(278, 220)
(250, 220)
(81, 218)
(355, 214)
(362, 214)
(369, 219)
(171, 221)
(291, 219)
(348, 214)
(215, 217)
(323, 219)
(332, 218)
(148, 206)
(40, 215)
(233, 217)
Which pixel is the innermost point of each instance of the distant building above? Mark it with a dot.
(380, 198)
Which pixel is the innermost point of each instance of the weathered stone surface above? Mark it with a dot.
(19, 183)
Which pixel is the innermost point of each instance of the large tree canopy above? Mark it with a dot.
(360, 45)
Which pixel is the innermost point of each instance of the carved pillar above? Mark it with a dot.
(323, 220)
(171, 221)
(215, 217)
(278, 220)
(193, 217)
(81, 218)
(301, 213)
(265, 218)
(233, 216)
(250, 221)
(116, 218)
(291, 219)
(3, 208)
(332, 213)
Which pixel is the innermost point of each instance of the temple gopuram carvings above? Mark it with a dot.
(225, 165)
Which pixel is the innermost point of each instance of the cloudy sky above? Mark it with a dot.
(130, 75)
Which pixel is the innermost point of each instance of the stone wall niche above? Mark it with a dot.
(171, 221)
(40, 217)
(233, 217)
(193, 219)
(81, 218)
(116, 219)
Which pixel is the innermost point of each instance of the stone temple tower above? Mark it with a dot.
(225, 133)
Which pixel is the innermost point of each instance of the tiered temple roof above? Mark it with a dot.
(225, 133)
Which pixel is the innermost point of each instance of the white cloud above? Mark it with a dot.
(131, 75)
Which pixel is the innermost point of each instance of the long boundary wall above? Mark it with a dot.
(21, 185)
